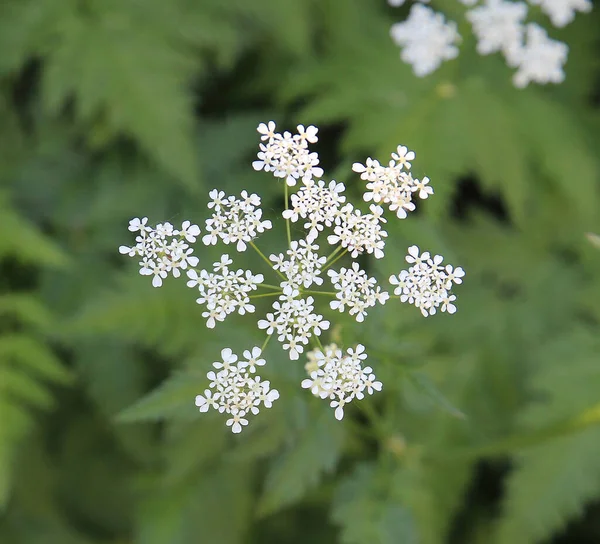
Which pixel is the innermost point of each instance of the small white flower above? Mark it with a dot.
(339, 377)
(162, 249)
(224, 291)
(355, 290)
(234, 221)
(427, 283)
(426, 39)
(498, 25)
(540, 60)
(235, 390)
(287, 156)
(562, 12)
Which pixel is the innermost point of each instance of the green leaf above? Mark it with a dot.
(554, 479)
(424, 383)
(175, 396)
(313, 452)
(366, 511)
(128, 74)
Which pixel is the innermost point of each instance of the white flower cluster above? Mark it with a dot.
(427, 283)
(163, 249)
(355, 290)
(359, 232)
(224, 291)
(391, 184)
(339, 377)
(286, 155)
(294, 319)
(318, 203)
(303, 268)
(234, 221)
(235, 390)
(427, 39)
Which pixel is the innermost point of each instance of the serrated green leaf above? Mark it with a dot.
(366, 511)
(174, 396)
(129, 75)
(314, 452)
(423, 382)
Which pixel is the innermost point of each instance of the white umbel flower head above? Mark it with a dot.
(302, 267)
(498, 25)
(235, 390)
(163, 249)
(234, 221)
(540, 60)
(562, 12)
(287, 156)
(355, 291)
(318, 203)
(224, 291)
(391, 185)
(340, 377)
(427, 284)
(294, 321)
(426, 39)
(358, 232)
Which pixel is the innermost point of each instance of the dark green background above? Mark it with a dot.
(485, 431)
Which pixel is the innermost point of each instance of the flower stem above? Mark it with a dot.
(270, 286)
(309, 292)
(287, 221)
(266, 342)
(263, 295)
(333, 254)
(264, 258)
(327, 265)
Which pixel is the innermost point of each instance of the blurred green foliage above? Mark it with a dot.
(486, 428)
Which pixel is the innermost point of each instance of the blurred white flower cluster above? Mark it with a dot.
(294, 318)
(427, 39)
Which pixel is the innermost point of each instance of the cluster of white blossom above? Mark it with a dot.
(294, 318)
(359, 232)
(163, 249)
(235, 389)
(427, 284)
(356, 291)
(234, 221)
(224, 291)
(427, 39)
(286, 155)
(318, 203)
(391, 184)
(339, 377)
(303, 266)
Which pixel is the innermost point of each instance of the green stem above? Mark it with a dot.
(308, 292)
(264, 258)
(373, 418)
(266, 342)
(327, 265)
(263, 295)
(287, 221)
(270, 286)
(333, 254)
